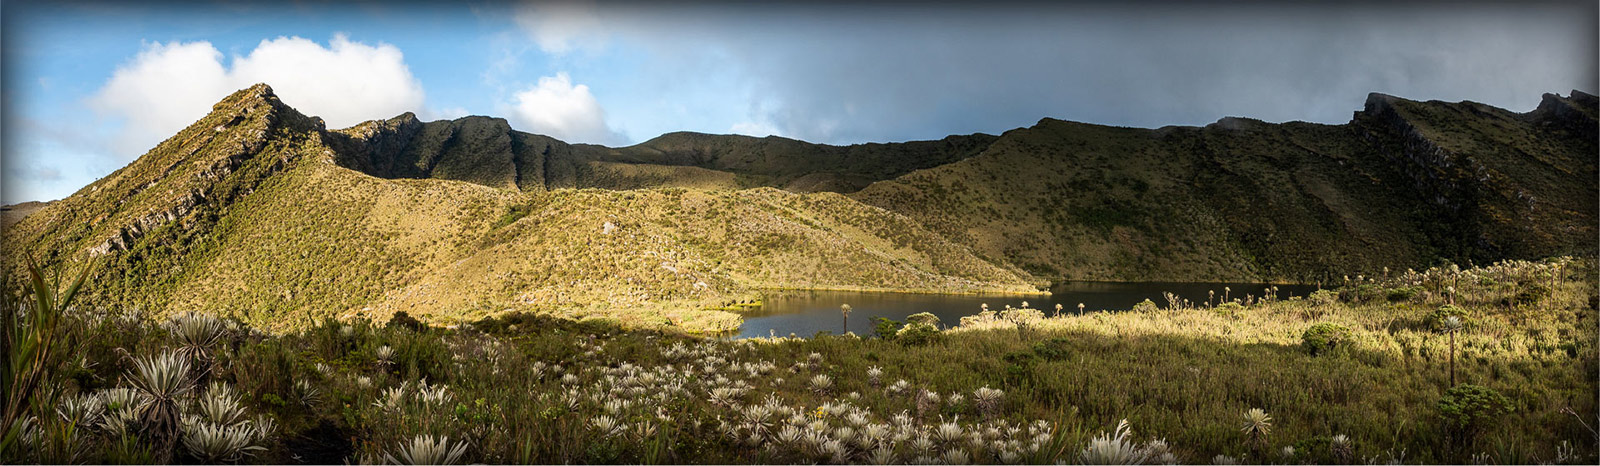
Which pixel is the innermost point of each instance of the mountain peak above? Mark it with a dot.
(247, 97)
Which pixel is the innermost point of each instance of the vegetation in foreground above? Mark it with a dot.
(1361, 374)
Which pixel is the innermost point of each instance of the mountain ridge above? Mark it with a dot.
(1345, 185)
(266, 214)
(252, 212)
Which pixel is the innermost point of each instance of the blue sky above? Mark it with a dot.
(88, 87)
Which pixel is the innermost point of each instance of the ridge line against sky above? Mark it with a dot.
(90, 86)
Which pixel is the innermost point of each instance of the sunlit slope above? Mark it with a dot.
(283, 232)
(1404, 184)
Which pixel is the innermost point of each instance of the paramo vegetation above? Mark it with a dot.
(1357, 374)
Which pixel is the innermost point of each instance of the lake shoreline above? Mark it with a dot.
(806, 312)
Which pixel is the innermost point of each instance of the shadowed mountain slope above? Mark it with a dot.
(1404, 184)
(487, 151)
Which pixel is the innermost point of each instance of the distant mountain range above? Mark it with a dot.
(260, 212)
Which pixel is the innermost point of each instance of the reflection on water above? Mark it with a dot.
(805, 313)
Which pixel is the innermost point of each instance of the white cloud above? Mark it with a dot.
(168, 86)
(345, 84)
(557, 108)
(165, 88)
(559, 27)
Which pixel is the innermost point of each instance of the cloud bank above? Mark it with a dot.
(168, 86)
(876, 72)
(557, 108)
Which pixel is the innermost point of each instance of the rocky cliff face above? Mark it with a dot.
(1507, 185)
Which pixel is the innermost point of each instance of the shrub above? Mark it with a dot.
(885, 328)
(1324, 297)
(1021, 316)
(1229, 309)
(1019, 367)
(1315, 450)
(1363, 293)
(1435, 319)
(1145, 306)
(404, 320)
(1404, 293)
(1054, 349)
(1530, 293)
(511, 216)
(1468, 408)
(1323, 337)
(923, 318)
(915, 334)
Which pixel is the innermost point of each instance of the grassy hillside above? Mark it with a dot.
(1405, 184)
(535, 390)
(251, 213)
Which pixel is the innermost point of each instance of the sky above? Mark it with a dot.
(88, 87)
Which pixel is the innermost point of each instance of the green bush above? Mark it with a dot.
(916, 334)
(885, 328)
(1054, 349)
(1315, 450)
(1321, 338)
(1020, 367)
(1229, 309)
(1370, 292)
(1435, 319)
(1404, 293)
(1467, 409)
(1145, 306)
(1324, 297)
(511, 216)
(1530, 293)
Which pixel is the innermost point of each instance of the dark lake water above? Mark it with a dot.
(805, 313)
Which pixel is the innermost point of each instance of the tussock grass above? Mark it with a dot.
(527, 388)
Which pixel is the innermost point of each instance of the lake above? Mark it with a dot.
(805, 313)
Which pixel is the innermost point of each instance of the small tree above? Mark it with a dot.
(845, 309)
(1451, 325)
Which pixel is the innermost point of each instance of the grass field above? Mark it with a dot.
(1360, 374)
